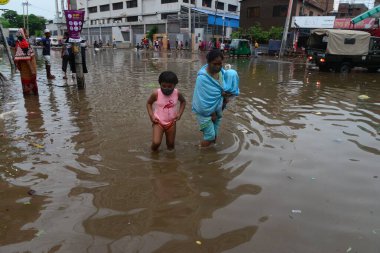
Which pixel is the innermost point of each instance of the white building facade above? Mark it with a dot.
(124, 20)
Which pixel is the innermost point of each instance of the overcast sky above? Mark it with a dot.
(46, 8)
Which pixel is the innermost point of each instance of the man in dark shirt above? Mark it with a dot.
(46, 53)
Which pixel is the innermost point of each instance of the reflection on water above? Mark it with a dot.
(77, 174)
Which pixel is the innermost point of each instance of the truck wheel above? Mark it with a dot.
(345, 68)
(372, 70)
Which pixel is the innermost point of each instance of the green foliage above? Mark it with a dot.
(4, 22)
(12, 19)
(257, 33)
(237, 34)
(275, 33)
(36, 24)
(151, 32)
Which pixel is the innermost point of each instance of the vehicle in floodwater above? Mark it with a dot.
(342, 50)
(240, 47)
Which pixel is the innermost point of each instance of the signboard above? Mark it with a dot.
(313, 22)
(345, 23)
(3, 2)
(74, 22)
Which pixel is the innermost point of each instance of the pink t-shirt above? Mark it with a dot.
(166, 107)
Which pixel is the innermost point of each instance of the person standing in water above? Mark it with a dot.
(213, 88)
(46, 53)
(165, 114)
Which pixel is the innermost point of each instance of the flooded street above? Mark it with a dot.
(295, 170)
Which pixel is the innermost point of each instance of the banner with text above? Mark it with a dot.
(74, 22)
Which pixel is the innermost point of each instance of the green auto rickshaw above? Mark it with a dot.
(240, 47)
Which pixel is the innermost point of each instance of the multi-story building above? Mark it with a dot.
(273, 12)
(128, 20)
(347, 10)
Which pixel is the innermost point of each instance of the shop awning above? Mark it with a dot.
(370, 13)
(346, 23)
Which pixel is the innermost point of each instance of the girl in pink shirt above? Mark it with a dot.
(165, 113)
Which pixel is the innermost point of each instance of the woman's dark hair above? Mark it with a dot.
(168, 77)
(213, 54)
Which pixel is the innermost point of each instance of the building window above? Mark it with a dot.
(206, 3)
(133, 18)
(187, 1)
(132, 4)
(232, 7)
(105, 7)
(253, 12)
(219, 5)
(280, 10)
(165, 15)
(311, 13)
(93, 9)
(117, 6)
(168, 1)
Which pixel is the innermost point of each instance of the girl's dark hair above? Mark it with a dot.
(213, 54)
(168, 77)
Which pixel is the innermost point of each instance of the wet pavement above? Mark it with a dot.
(295, 169)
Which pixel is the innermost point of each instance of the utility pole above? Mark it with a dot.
(76, 48)
(216, 12)
(27, 17)
(190, 37)
(286, 28)
(23, 13)
(7, 48)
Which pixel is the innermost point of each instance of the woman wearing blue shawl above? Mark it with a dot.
(213, 87)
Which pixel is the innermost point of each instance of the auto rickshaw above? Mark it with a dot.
(239, 47)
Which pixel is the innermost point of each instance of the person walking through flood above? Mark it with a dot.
(26, 63)
(46, 53)
(165, 114)
(213, 87)
(65, 54)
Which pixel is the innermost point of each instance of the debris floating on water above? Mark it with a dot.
(363, 97)
(296, 211)
(349, 249)
(198, 242)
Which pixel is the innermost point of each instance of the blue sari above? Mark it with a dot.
(208, 99)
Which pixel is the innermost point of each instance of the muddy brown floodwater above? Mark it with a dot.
(296, 168)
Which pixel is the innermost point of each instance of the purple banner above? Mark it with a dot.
(74, 22)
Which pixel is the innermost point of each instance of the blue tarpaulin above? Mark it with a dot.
(230, 20)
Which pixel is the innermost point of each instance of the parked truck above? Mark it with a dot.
(342, 50)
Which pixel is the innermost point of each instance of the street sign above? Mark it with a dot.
(3, 2)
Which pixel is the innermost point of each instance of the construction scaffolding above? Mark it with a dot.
(178, 23)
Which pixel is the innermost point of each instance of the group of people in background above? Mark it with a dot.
(25, 59)
(209, 45)
(158, 44)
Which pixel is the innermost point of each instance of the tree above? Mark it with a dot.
(151, 32)
(13, 18)
(275, 33)
(5, 22)
(237, 34)
(36, 24)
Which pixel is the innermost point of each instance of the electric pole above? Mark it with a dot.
(76, 49)
(286, 28)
